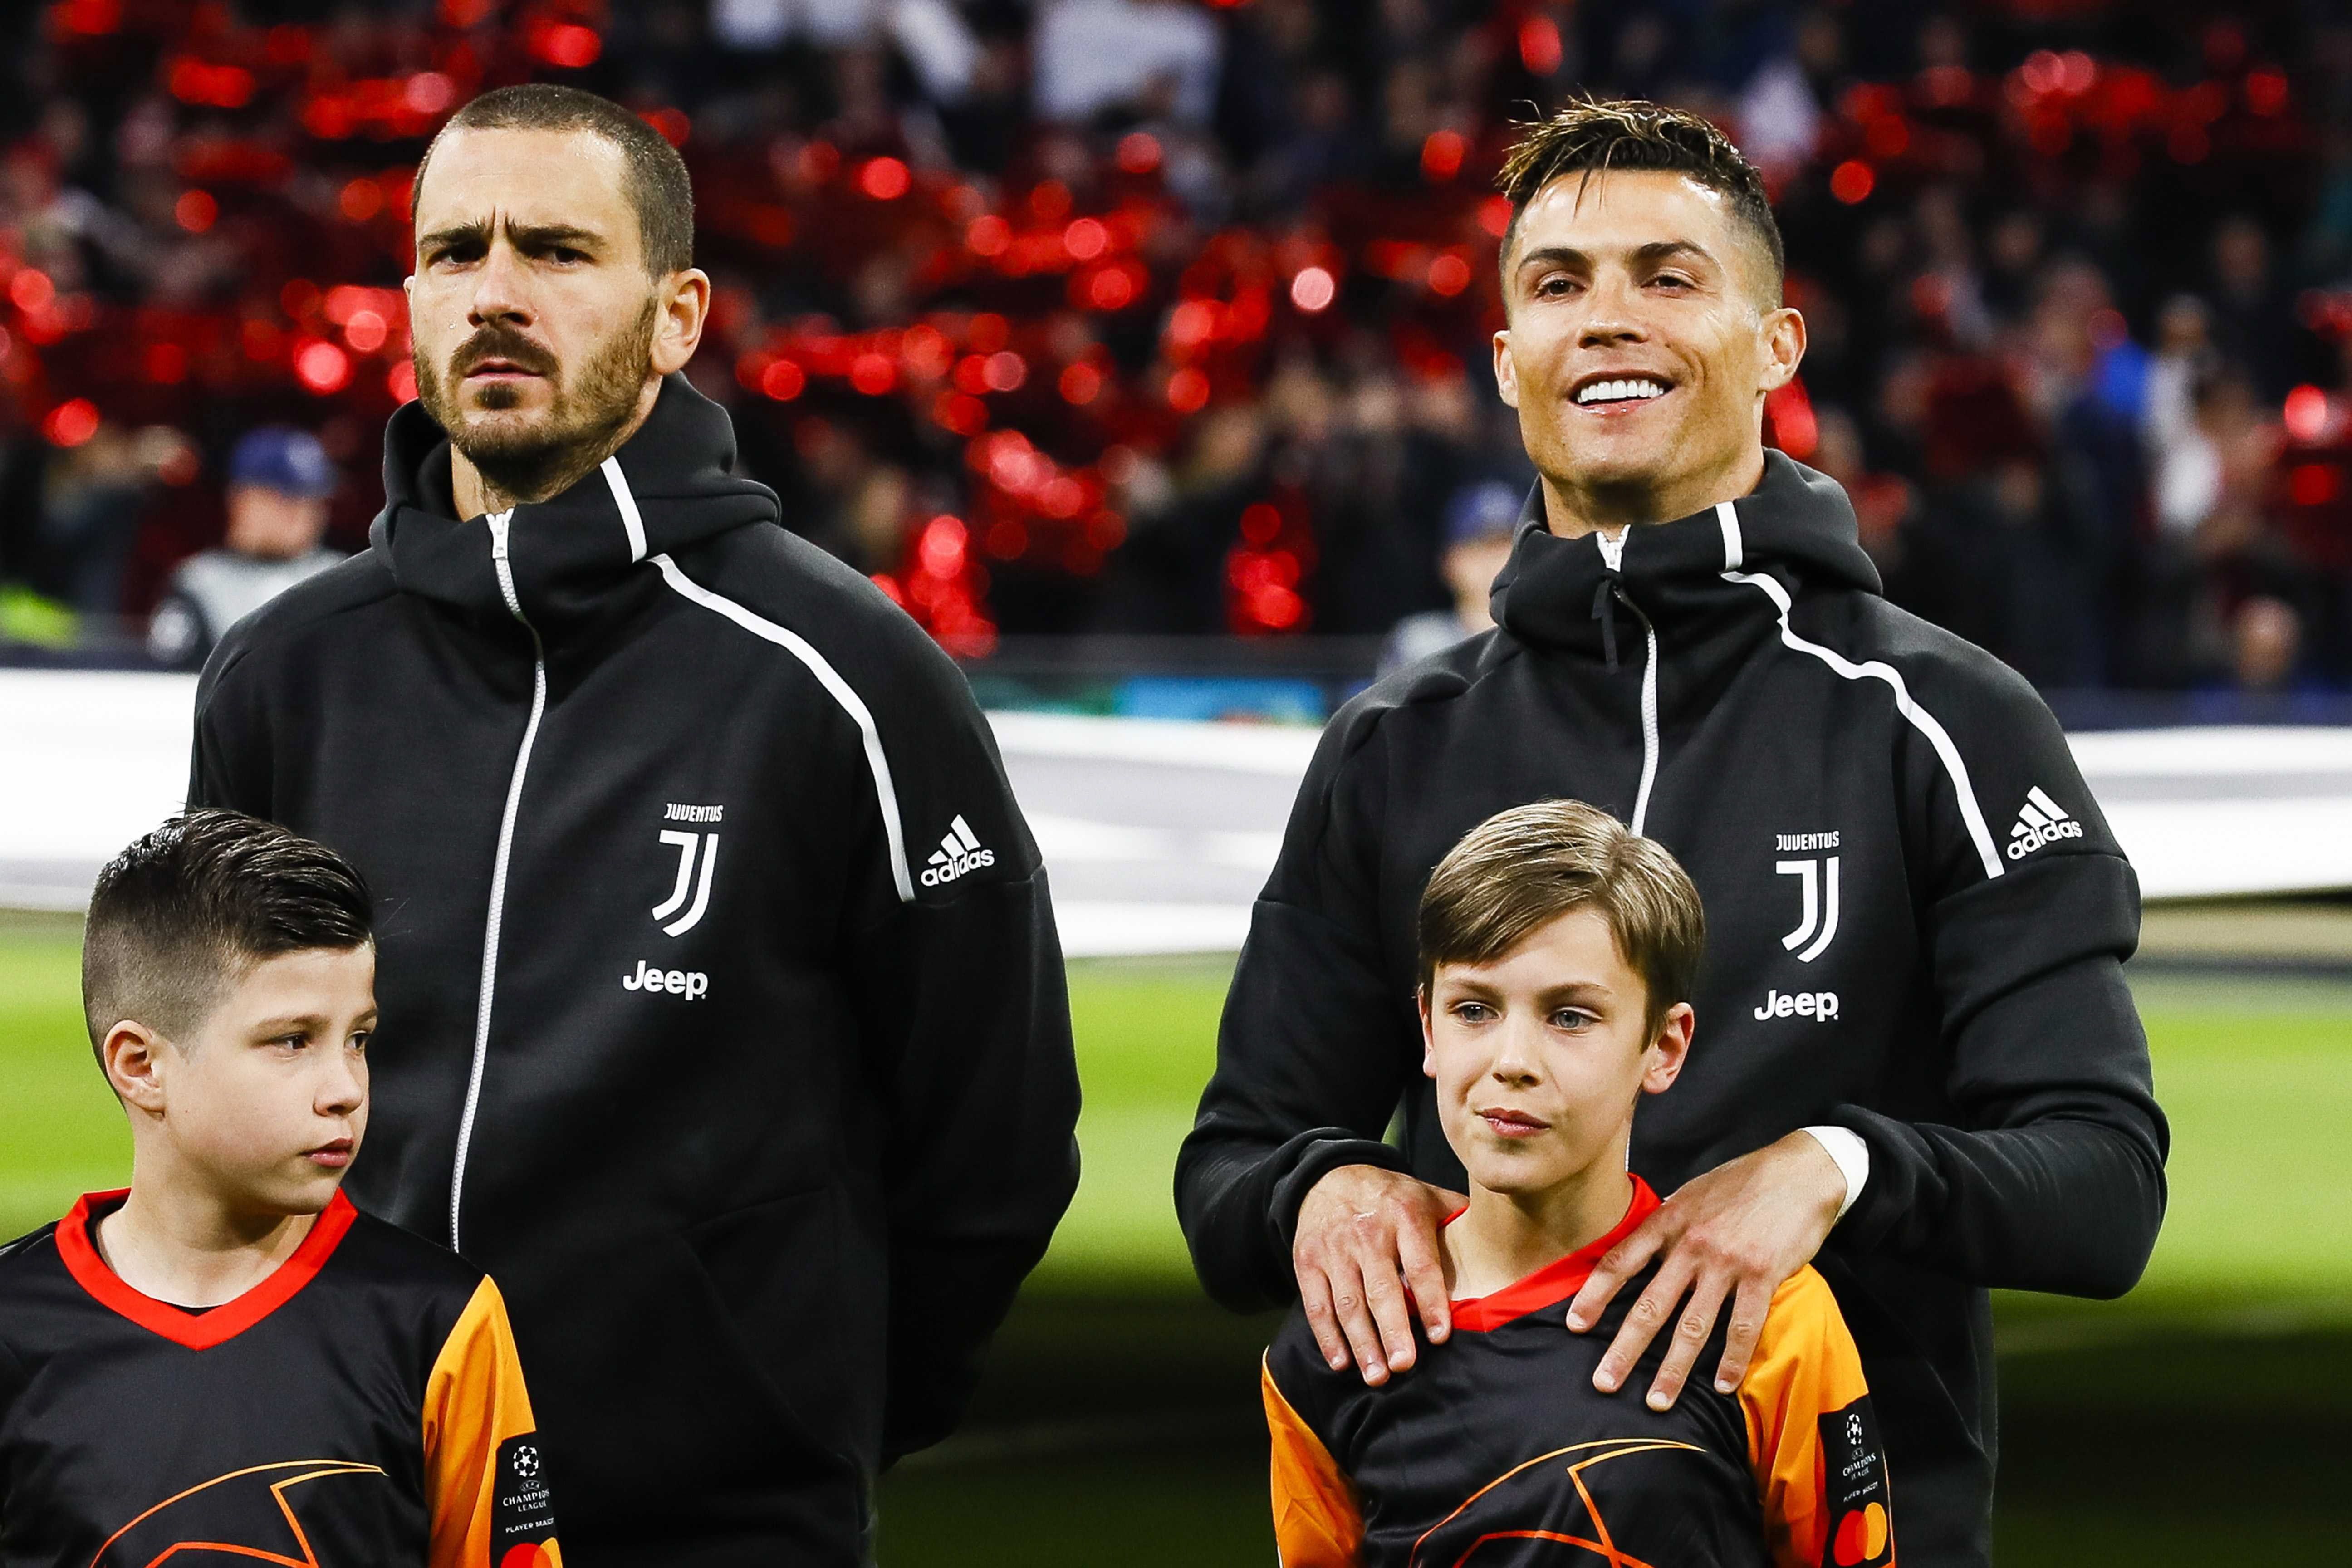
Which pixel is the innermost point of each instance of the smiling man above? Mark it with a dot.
(1885, 823)
(760, 1119)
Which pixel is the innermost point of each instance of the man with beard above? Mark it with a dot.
(722, 1010)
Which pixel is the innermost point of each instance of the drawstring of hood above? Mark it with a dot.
(1604, 610)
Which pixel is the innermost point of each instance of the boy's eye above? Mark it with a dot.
(1573, 1018)
(1472, 1012)
(359, 1042)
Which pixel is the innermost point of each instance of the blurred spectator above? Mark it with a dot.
(93, 492)
(1479, 524)
(1884, 504)
(2269, 635)
(1153, 60)
(2254, 319)
(279, 481)
(2187, 469)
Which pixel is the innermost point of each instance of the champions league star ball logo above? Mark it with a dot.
(526, 1464)
(255, 1513)
(1547, 1511)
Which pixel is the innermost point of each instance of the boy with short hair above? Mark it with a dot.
(1558, 955)
(227, 1358)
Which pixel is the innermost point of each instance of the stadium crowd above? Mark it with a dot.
(1172, 316)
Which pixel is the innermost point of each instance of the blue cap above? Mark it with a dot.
(1481, 511)
(280, 457)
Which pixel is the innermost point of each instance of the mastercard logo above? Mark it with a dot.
(532, 1555)
(1861, 1537)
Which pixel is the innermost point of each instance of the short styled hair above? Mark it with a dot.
(1520, 870)
(1590, 135)
(182, 914)
(658, 187)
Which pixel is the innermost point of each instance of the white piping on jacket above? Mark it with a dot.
(1649, 723)
(501, 523)
(830, 678)
(1875, 670)
(632, 522)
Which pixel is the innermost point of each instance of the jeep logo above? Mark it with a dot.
(1821, 1004)
(691, 983)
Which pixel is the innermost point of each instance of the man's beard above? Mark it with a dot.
(535, 461)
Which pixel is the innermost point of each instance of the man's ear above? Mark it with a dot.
(1783, 332)
(131, 1055)
(685, 304)
(1507, 375)
(1663, 1062)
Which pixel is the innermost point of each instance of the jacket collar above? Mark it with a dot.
(671, 485)
(1796, 526)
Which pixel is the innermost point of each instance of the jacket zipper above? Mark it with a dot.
(1612, 557)
(501, 523)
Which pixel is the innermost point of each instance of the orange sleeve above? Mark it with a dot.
(1317, 1522)
(1813, 1441)
(484, 1476)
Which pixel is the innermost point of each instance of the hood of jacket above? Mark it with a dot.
(1796, 527)
(671, 485)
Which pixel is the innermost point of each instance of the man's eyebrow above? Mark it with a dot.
(1671, 249)
(524, 236)
(546, 234)
(1554, 256)
(1657, 250)
(443, 238)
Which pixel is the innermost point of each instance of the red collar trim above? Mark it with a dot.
(1554, 1282)
(197, 1331)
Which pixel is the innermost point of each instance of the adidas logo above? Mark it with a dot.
(957, 852)
(2042, 821)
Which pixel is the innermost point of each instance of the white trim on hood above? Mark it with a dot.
(632, 520)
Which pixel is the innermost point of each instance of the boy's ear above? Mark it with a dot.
(131, 1055)
(1428, 1043)
(1663, 1061)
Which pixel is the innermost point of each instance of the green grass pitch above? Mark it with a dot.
(2239, 1340)
(2256, 1075)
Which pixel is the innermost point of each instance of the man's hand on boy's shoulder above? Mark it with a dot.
(1366, 1253)
(1732, 1235)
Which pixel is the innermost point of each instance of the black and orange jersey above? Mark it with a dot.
(1496, 1451)
(363, 1404)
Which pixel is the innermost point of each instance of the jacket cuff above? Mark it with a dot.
(1314, 1155)
(1850, 1154)
(1894, 1170)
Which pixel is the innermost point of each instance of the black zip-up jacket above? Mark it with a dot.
(1916, 922)
(723, 1015)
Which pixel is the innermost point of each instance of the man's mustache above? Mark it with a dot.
(501, 343)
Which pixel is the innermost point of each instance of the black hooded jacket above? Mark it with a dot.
(723, 1017)
(1917, 923)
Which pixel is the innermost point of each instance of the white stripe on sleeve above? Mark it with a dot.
(841, 692)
